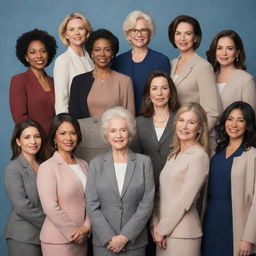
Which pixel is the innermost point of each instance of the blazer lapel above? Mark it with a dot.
(168, 129)
(186, 71)
(129, 171)
(149, 127)
(109, 166)
(69, 172)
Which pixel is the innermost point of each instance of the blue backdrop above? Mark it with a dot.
(18, 16)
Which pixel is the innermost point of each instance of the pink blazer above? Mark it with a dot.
(63, 199)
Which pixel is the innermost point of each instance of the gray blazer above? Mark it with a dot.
(146, 142)
(27, 215)
(111, 214)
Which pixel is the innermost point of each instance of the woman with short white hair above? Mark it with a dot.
(139, 28)
(120, 190)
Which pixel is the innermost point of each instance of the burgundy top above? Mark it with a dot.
(28, 100)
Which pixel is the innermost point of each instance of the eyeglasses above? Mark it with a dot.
(143, 31)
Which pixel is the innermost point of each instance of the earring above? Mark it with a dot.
(237, 58)
(55, 146)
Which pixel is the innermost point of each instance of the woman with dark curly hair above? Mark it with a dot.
(229, 225)
(227, 56)
(27, 216)
(94, 92)
(32, 92)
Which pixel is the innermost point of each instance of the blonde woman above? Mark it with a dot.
(73, 32)
(176, 225)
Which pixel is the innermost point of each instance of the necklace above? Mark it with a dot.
(160, 121)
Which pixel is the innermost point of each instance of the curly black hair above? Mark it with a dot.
(102, 33)
(25, 39)
(249, 139)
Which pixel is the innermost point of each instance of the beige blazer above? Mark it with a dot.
(240, 86)
(66, 67)
(196, 83)
(243, 192)
(63, 199)
(175, 212)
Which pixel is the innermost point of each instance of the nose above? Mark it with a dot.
(183, 36)
(224, 52)
(38, 54)
(234, 123)
(68, 136)
(159, 92)
(185, 125)
(32, 140)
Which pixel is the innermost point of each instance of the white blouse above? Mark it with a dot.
(120, 170)
(159, 132)
(79, 173)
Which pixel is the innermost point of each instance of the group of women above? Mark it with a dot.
(145, 175)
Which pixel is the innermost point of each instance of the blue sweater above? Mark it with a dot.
(139, 72)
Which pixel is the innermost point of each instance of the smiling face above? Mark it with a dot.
(139, 35)
(118, 133)
(235, 125)
(76, 32)
(159, 92)
(226, 51)
(188, 127)
(30, 141)
(102, 52)
(37, 55)
(66, 138)
(184, 37)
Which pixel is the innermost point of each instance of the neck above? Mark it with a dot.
(30, 158)
(161, 111)
(235, 143)
(227, 69)
(67, 156)
(78, 49)
(187, 54)
(120, 155)
(139, 50)
(39, 73)
(185, 145)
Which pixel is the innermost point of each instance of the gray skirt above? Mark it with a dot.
(16, 248)
(93, 142)
(100, 251)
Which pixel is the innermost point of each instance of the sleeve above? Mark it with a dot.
(196, 175)
(165, 65)
(18, 100)
(139, 219)
(74, 107)
(249, 93)
(47, 188)
(249, 233)
(21, 204)
(99, 223)
(208, 94)
(61, 85)
(128, 95)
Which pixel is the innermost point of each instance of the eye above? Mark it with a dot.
(241, 120)
(38, 136)
(229, 118)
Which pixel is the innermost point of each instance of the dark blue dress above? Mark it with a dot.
(217, 227)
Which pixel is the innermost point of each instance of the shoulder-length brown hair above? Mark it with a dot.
(240, 58)
(202, 137)
(147, 108)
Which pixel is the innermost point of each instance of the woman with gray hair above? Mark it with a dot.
(139, 28)
(120, 190)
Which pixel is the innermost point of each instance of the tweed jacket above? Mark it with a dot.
(196, 83)
(27, 215)
(63, 199)
(112, 214)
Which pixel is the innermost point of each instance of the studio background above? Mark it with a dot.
(19, 16)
